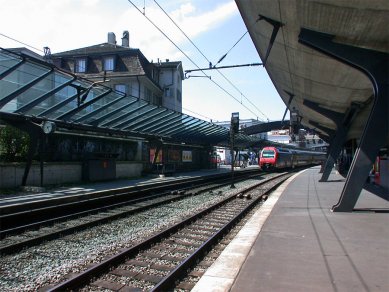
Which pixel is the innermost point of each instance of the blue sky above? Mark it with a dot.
(213, 26)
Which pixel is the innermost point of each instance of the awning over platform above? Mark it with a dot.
(301, 44)
(38, 91)
(328, 60)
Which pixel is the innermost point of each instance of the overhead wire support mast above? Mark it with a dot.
(222, 67)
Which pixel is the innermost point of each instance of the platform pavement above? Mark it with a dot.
(296, 243)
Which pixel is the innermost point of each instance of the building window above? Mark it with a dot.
(80, 66)
(121, 88)
(109, 64)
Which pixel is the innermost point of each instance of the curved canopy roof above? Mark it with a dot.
(319, 87)
(31, 89)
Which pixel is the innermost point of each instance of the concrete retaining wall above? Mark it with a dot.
(11, 174)
(126, 169)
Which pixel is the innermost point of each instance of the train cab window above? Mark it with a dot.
(268, 153)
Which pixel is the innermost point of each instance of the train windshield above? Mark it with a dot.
(268, 153)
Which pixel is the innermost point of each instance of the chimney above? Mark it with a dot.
(111, 38)
(126, 39)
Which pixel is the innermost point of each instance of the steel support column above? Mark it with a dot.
(337, 140)
(375, 65)
(291, 96)
(326, 134)
(276, 26)
(30, 154)
(343, 122)
(333, 153)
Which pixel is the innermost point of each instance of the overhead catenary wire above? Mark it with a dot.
(228, 93)
(234, 45)
(219, 60)
(225, 55)
(165, 35)
(181, 30)
(15, 40)
(184, 55)
(240, 101)
(28, 73)
(214, 67)
(56, 83)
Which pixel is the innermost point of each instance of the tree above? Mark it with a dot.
(14, 144)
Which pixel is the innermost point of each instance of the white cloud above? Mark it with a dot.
(194, 24)
(90, 3)
(69, 24)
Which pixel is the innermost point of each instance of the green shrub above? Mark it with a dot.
(14, 144)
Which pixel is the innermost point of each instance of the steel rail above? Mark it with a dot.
(28, 215)
(103, 267)
(174, 195)
(181, 270)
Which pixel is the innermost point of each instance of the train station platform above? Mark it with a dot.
(296, 243)
(39, 194)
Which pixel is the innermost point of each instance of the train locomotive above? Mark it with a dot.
(273, 158)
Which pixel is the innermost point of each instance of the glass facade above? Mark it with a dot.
(30, 87)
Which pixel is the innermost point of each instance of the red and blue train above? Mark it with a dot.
(273, 158)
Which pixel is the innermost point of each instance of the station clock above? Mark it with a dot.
(48, 127)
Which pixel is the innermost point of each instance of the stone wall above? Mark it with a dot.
(11, 174)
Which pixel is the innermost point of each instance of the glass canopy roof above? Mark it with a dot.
(30, 87)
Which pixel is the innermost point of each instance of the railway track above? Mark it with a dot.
(159, 261)
(49, 229)
(29, 216)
